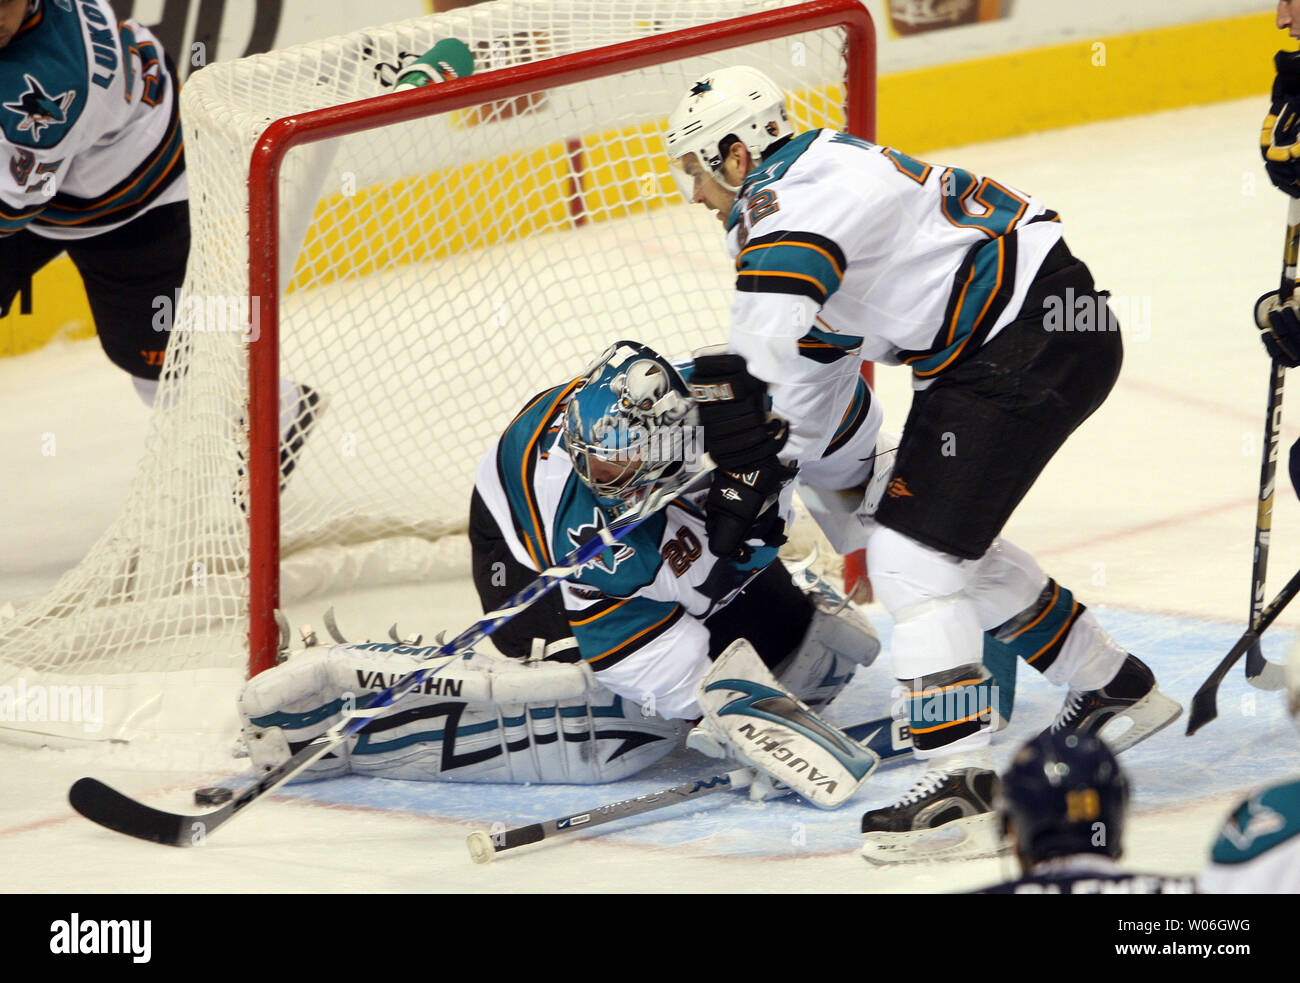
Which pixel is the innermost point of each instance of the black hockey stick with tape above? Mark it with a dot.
(1259, 671)
(1204, 707)
(108, 807)
(883, 736)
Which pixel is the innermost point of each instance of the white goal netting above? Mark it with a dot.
(438, 274)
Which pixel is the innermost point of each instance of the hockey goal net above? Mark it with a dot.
(426, 261)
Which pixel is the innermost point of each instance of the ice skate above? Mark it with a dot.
(1127, 710)
(947, 815)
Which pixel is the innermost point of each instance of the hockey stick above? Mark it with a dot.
(109, 808)
(1260, 672)
(878, 735)
(1204, 708)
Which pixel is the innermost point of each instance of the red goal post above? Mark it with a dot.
(283, 135)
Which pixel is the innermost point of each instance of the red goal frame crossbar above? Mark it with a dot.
(384, 110)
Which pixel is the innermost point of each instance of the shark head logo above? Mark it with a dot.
(612, 556)
(1252, 821)
(39, 109)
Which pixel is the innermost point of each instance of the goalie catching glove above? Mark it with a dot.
(743, 440)
(1280, 139)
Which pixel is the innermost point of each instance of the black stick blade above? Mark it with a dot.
(111, 809)
(1204, 707)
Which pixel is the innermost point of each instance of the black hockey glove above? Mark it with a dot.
(743, 506)
(1280, 140)
(1279, 328)
(733, 412)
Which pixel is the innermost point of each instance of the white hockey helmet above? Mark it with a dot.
(739, 102)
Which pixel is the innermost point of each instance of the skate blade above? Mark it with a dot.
(1148, 716)
(971, 838)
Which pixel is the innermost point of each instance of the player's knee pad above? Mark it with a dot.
(949, 711)
(906, 573)
(1006, 581)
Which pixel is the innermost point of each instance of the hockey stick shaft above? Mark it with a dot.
(1204, 705)
(1258, 670)
(109, 808)
(882, 736)
(484, 846)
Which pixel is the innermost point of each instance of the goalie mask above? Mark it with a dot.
(630, 425)
(730, 104)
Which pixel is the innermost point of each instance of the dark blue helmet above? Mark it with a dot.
(1064, 794)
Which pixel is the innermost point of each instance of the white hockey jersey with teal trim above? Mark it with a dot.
(846, 250)
(89, 117)
(1258, 849)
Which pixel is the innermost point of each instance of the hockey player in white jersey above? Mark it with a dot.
(848, 246)
(1063, 804)
(90, 124)
(90, 113)
(607, 670)
(1258, 848)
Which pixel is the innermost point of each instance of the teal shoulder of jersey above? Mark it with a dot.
(518, 454)
(44, 82)
(1264, 821)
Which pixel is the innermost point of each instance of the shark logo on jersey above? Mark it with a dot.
(612, 556)
(1252, 821)
(38, 109)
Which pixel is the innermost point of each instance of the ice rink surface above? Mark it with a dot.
(1147, 514)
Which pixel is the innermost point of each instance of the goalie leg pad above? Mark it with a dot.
(478, 720)
(835, 644)
(768, 729)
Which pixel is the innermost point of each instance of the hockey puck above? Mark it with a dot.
(212, 795)
(480, 846)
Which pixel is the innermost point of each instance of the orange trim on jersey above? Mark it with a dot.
(793, 276)
(23, 213)
(527, 485)
(974, 193)
(943, 689)
(644, 631)
(1056, 592)
(100, 203)
(956, 316)
(599, 615)
(31, 21)
(535, 400)
(888, 154)
(949, 723)
(806, 245)
(1069, 623)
